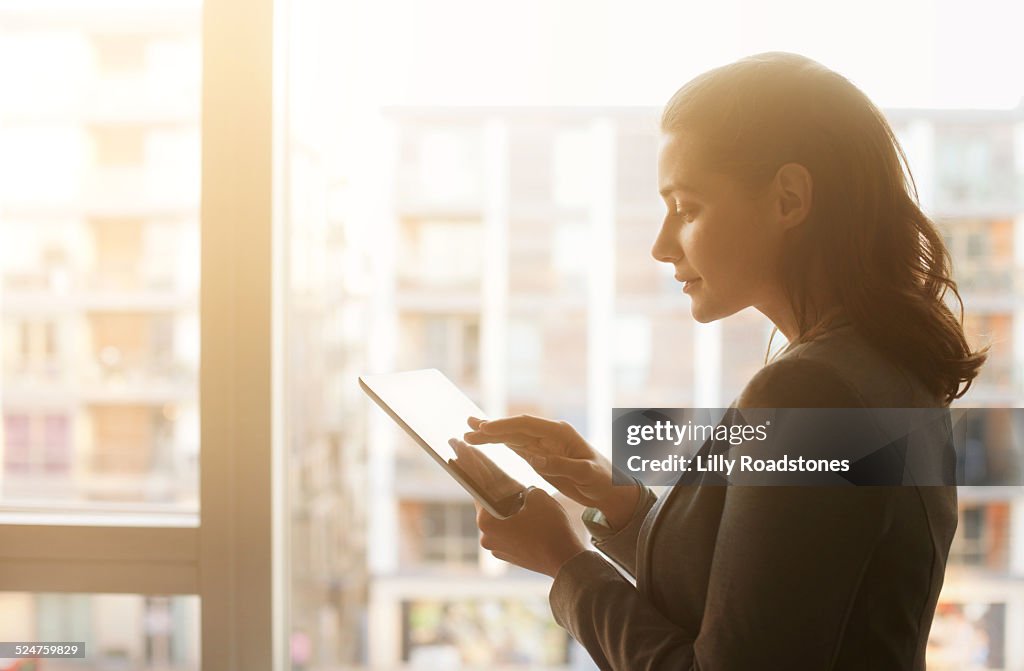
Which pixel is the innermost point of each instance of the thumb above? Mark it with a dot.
(534, 494)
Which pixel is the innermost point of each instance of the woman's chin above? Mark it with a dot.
(703, 321)
(699, 314)
(704, 313)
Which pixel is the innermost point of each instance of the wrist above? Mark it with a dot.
(571, 551)
(619, 506)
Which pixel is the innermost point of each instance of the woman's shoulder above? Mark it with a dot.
(838, 369)
(794, 382)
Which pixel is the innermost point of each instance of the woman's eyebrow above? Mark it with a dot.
(678, 187)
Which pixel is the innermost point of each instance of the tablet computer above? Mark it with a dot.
(432, 409)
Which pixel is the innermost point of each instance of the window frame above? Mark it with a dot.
(232, 554)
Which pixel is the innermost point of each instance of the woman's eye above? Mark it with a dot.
(682, 212)
(685, 214)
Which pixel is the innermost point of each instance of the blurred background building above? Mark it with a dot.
(509, 248)
(99, 273)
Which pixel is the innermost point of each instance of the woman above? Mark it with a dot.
(785, 191)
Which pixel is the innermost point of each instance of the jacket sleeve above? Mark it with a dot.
(787, 564)
(620, 545)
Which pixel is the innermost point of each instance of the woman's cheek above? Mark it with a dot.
(692, 238)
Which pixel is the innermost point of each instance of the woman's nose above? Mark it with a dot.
(666, 247)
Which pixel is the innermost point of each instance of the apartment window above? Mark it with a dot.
(121, 343)
(119, 146)
(36, 444)
(994, 328)
(17, 443)
(121, 631)
(976, 163)
(982, 536)
(977, 245)
(56, 444)
(448, 342)
(35, 351)
(443, 532)
(982, 252)
(118, 252)
(440, 253)
(123, 438)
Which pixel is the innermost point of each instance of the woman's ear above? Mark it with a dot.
(794, 188)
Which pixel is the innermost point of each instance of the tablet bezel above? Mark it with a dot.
(502, 509)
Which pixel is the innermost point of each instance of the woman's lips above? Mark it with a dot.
(690, 285)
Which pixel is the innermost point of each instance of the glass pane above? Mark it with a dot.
(99, 266)
(120, 631)
(449, 208)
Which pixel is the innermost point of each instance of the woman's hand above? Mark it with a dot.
(560, 454)
(539, 537)
(483, 471)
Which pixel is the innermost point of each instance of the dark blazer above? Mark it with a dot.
(771, 577)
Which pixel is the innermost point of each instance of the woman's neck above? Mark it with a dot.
(782, 314)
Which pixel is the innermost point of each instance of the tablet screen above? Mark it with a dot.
(435, 410)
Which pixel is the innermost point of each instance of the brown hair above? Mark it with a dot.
(866, 239)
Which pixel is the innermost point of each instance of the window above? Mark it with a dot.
(440, 253)
(119, 146)
(118, 630)
(33, 351)
(442, 533)
(400, 215)
(447, 342)
(976, 163)
(99, 488)
(982, 536)
(117, 245)
(18, 450)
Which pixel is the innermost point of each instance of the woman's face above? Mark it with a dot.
(722, 240)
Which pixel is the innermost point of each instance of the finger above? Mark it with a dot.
(580, 471)
(535, 495)
(484, 520)
(521, 442)
(530, 425)
(469, 455)
(510, 439)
